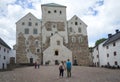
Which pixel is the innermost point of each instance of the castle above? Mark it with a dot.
(51, 39)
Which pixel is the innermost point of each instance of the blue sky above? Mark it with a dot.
(101, 16)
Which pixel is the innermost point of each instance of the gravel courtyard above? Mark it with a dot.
(50, 74)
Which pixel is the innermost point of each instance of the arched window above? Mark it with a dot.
(73, 39)
(80, 39)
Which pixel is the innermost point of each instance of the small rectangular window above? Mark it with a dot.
(29, 24)
(35, 31)
(116, 63)
(107, 55)
(26, 31)
(79, 29)
(23, 23)
(76, 23)
(107, 47)
(4, 50)
(49, 12)
(114, 44)
(115, 54)
(38, 50)
(56, 53)
(36, 24)
(4, 57)
(70, 29)
(58, 42)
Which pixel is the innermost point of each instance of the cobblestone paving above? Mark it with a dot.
(50, 74)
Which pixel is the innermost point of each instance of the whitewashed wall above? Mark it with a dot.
(49, 53)
(2, 54)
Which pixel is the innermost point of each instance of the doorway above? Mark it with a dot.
(31, 60)
(56, 62)
(3, 66)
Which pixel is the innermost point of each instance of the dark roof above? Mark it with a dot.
(112, 38)
(53, 5)
(4, 44)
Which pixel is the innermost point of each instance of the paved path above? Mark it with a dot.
(50, 74)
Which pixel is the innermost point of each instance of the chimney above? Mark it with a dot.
(109, 35)
(117, 31)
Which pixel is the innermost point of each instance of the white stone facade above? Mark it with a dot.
(52, 28)
(4, 56)
(108, 52)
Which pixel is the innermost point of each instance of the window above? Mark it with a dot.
(35, 31)
(0, 48)
(79, 29)
(114, 44)
(38, 50)
(55, 11)
(49, 12)
(76, 18)
(29, 24)
(116, 63)
(80, 23)
(80, 39)
(23, 23)
(107, 55)
(27, 50)
(26, 31)
(51, 34)
(36, 24)
(107, 47)
(115, 54)
(97, 56)
(27, 42)
(4, 57)
(58, 42)
(73, 39)
(29, 18)
(56, 53)
(96, 48)
(7, 51)
(70, 29)
(76, 23)
(60, 12)
(4, 50)
(36, 43)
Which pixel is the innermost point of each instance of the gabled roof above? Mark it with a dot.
(4, 44)
(112, 38)
(78, 19)
(26, 16)
(53, 5)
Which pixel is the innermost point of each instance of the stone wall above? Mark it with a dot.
(20, 51)
(79, 49)
(60, 26)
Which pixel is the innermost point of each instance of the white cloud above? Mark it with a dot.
(105, 21)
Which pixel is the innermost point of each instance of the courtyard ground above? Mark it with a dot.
(51, 74)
